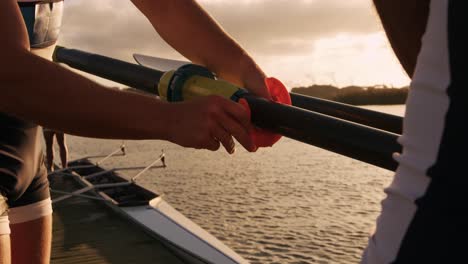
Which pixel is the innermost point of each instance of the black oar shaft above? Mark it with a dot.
(136, 76)
(351, 113)
(357, 141)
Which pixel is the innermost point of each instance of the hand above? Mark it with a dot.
(205, 122)
(253, 79)
(246, 74)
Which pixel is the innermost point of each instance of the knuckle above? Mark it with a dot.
(217, 146)
(214, 146)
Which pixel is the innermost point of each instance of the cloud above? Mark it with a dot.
(299, 41)
(114, 28)
(264, 27)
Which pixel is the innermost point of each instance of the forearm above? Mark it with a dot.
(50, 95)
(404, 23)
(38, 90)
(191, 31)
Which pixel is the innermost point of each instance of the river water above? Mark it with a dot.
(292, 203)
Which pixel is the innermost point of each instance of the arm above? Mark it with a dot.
(41, 91)
(182, 21)
(34, 88)
(404, 23)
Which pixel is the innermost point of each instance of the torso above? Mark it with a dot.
(424, 207)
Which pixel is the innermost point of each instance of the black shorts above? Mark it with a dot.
(24, 187)
(23, 176)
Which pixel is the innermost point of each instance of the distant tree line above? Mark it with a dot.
(357, 95)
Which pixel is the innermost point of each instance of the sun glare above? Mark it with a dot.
(341, 60)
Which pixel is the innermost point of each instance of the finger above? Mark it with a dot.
(238, 112)
(262, 92)
(225, 138)
(212, 144)
(234, 128)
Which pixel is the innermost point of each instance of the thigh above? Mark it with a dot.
(20, 156)
(31, 241)
(31, 224)
(5, 252)
(4, 233)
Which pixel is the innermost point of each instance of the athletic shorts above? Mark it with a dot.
(24, 187)
(43, 21)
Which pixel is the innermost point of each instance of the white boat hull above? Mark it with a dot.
(181, 234)
(148, 210)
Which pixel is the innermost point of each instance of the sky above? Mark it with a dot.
(301, 42)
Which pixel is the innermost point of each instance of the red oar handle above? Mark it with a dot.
(279, 94)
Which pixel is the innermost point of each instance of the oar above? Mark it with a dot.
(351, 139)
(121, 149)
(161, 159)
(348, 112)
(384, 121)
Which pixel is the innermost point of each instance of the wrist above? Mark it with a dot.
(159, 123)
(247, 67)
(252, 77)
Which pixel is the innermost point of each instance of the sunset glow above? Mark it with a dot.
(300, 42)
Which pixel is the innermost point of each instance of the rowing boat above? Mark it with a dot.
(149, 211)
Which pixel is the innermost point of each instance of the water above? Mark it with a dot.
(292, 203)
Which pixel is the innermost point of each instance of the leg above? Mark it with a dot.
(30, 219)
(5, 251)
(5, 255)
(31, 241)
(63, 148)
(49, 142)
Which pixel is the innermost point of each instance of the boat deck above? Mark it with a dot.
(87, 231)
